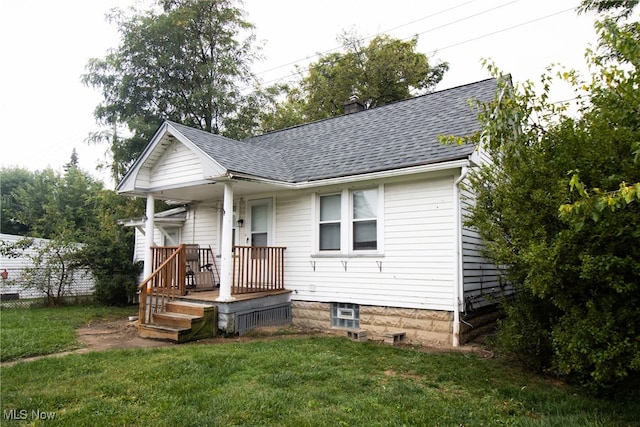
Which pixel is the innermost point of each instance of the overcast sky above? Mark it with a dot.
(45, 110)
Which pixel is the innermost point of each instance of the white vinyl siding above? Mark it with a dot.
(481, 278)
(416, 269)
(201, 226)
(414, 265)
(82, 280)
(178, 164)
(138, 248)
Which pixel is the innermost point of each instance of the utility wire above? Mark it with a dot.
(512, 27)
(501, 30)
(367, 37)
(400, 26)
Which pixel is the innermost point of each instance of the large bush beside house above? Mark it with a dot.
(560, 207)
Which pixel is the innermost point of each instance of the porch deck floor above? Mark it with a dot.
(211, 296)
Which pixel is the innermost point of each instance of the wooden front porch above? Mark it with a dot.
(184, 288)
(212, 296)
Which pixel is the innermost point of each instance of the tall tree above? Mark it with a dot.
(571, 245)
(620, 8)
(383, 71)
(73, 161)
(185, 60)
(69, 209)
(10, 209)
(50, 205)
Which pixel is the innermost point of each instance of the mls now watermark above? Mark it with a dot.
(23, 414)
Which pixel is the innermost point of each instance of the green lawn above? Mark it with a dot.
(293, 381)
(37, 331)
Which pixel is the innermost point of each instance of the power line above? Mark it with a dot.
(400, 26)
(502, 30)
(512, 27)
(468, 17)
(368, 37)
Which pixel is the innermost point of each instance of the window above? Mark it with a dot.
(171, 236)
(344, 315)
(259, 225)
(349, 221)
(365, 207)
(330, 222)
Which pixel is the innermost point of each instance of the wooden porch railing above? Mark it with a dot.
(165, 282)
(257, 269)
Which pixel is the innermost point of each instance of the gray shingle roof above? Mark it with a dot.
(238, 156)
(398, 135)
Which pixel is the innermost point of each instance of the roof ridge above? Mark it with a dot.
(191, 129)
(370, 109)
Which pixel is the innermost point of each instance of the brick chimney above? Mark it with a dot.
(353, 105)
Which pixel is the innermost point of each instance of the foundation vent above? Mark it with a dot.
(270, 316)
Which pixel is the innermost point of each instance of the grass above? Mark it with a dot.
(294, 381)
(38, 331)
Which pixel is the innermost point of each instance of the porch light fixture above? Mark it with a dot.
(240, 223)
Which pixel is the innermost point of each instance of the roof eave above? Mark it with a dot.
(389, 173)
(211, 167)
(127, 183)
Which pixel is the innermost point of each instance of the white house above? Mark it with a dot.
(367, 209)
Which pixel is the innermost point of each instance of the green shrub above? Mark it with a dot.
(525, 331)
(117, 289)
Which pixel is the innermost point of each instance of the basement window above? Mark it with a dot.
(345, 315)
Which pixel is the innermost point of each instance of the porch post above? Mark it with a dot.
(148, 235)
(226, 255)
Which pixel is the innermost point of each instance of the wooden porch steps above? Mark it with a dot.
(181, 322)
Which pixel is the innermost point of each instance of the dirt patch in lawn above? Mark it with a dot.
(119, 334)
(123, 334)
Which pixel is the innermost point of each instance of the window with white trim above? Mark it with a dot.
(349, 221)
(364, 219)
(329, 231)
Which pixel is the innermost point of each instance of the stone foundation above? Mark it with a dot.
(311, 315)
(424, 327)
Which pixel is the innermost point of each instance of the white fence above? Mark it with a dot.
(13, 287)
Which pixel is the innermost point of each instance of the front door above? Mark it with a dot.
(260, 222)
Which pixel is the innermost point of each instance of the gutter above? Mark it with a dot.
(390, 173)
(231, 175)
(459, 274)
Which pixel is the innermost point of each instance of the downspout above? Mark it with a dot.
(458, 256)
